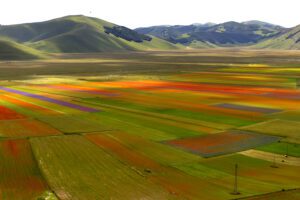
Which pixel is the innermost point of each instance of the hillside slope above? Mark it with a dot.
(177, 34)
(81, 34)
(208, 35)
(289, 40)
(10, 50)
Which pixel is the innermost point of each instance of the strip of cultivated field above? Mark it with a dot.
(51, 100)
(20, 175)
(174, 166)
(24, 128)
(223, 143)
(77, 169)
(272, 157)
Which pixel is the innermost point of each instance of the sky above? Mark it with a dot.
(141, 13)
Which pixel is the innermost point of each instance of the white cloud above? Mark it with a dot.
(136, 13)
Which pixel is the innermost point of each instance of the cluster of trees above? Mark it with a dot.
(127, 34)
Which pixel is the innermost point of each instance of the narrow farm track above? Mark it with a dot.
(280, 159)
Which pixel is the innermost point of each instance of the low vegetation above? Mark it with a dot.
(150, 125)
(127, 34)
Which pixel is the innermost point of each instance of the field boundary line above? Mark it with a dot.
(41, 171)
(259, 123)
(281, 159)
(270, 193)
(148, 114)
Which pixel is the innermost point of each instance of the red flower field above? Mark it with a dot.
(8, 114)
(223, 143)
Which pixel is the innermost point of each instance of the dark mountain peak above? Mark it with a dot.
(263, 24)
(230, 26)
(230, 23)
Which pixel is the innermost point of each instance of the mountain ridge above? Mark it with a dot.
(10, 50)
(83, 34)
(80, 34)
(224, 34)
(290, 40)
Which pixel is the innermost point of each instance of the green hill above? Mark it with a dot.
(10, 50)
(81, 34)
(211, 35)
(288, 40)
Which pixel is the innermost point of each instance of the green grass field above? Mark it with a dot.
(100, 126)
(282, 148)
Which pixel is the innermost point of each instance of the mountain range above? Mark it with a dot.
(82, 34)
(211, 35)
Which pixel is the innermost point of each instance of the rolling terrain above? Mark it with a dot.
(212, 35)
(10, 50)
(81, 34)
(289, 40)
